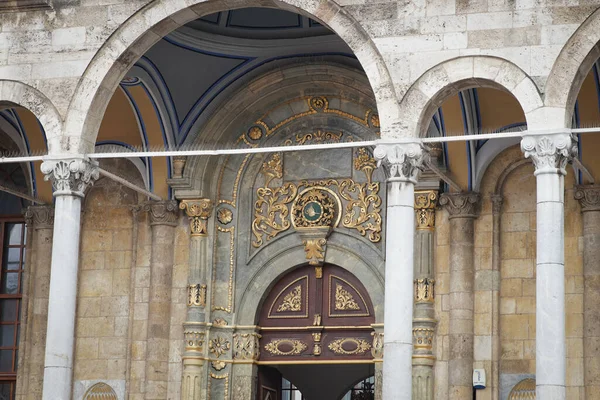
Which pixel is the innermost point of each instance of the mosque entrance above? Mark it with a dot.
(317, 337)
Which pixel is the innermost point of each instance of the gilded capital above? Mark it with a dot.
(70, 177)
(40, 217)
(589, 197)
(162, 212)
(425, 203)
(198, 211)
(404, 161)
(461, 205)
(424, 290)
(550, 153)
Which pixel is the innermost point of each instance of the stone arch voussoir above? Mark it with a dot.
(23, 95)
(571, 67)
(160, 17)
(435, 85)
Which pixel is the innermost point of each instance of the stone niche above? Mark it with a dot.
(23, 5)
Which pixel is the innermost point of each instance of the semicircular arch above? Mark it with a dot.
(570, 69)
(21, 94)
(428, 92)
(151, 23)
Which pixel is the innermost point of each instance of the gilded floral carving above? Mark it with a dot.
(292, 301)
(344, 300)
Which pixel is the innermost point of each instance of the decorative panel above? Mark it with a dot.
(317, 314)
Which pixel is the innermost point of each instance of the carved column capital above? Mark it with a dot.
(40, 217)
(404, 161)
(70, 177)
(198, 212)
(461, 205)
(162, 212)
(425, 203)
(550, 153)
(589, 197)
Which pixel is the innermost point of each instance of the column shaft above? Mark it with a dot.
(163, 217)
(69, 179)
(463, 208)
(397, 365)
(424, 322)
(589, 198)
(550, 154)
(404, 162)
(194, 374)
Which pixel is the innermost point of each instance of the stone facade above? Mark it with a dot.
(152, 302)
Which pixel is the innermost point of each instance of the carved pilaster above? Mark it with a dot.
(589, 197)
(70, 177)
(163, 212)
(461, 205)
(198, 211)
(550, 153)
(40, 217)
(424, 290)
(403, 161)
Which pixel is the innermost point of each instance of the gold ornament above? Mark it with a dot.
(197, 295)
(319, 137)
(360, 346)
(194, 340)
(292, 301)
(246, 346)
(219, 346)
(362, 210)
(425, 203)
(100, 391)
(255, 133)
(315, 251)
(424, 290)
(224, 215)
(220, 322)
(272, 168)
(344, 300)
(278, 347)
(365, 163)
(317, 343)
(199, 212)
(423, 338)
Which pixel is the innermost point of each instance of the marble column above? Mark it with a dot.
(549, 154)
(40, 222)
(194, 329)
(69, 178)
(463, 209)
(163, 220)
(424, 313)
(404, 162)
(589, 198)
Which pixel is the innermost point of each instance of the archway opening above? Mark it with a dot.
(316, 328)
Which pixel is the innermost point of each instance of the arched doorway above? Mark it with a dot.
(317, 342)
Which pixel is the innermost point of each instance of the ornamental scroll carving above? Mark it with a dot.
(425, 203)
(198, 211)
(461, 205)
(70, 177)
(286, 347)
(349, 346)
(424, 290)
(278, 208)
(197, 295)
(550, 152)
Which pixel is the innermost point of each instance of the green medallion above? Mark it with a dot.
(312, 211)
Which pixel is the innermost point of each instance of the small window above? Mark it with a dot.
(364, 390)
(289, 391)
